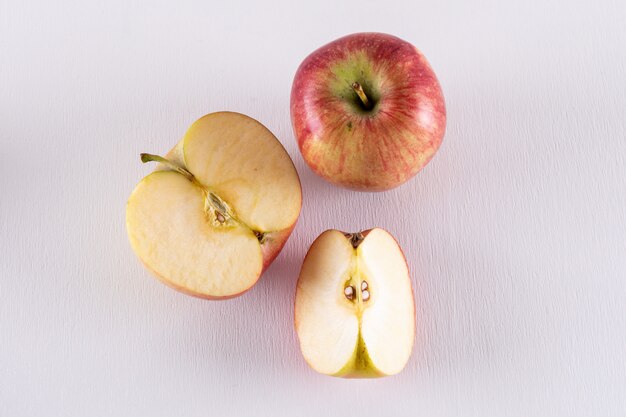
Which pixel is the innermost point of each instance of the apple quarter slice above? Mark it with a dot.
(354, 307)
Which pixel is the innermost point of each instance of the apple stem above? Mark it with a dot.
(146, 157)
(358, 89)
(220, 208)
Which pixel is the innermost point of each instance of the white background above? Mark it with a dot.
(515, 233)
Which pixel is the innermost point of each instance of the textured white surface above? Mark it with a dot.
(515, 233)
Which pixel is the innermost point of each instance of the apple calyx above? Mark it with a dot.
(217, 210)
(355, 239)
(358, 89)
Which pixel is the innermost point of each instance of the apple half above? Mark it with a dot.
(354, 307)
(218, 209)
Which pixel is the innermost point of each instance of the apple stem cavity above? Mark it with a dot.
(146, 157)
(358, 89)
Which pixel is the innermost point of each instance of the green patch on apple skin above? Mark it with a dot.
(360, 364)
(357, 68)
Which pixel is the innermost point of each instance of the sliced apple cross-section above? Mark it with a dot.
(218, 211)
(354, 308)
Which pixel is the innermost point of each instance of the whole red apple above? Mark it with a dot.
(367, 111)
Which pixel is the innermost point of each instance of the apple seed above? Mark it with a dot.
(363, 285)
(365, 294)
(349, 292)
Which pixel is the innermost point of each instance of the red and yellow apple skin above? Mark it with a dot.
(371, 147)
(274, 243)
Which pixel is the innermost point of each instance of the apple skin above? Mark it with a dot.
(274, 245)
(367, 149)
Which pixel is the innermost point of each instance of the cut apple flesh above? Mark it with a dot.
(246, 169)
(179, 243)
(204, 220)
(354, 308)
